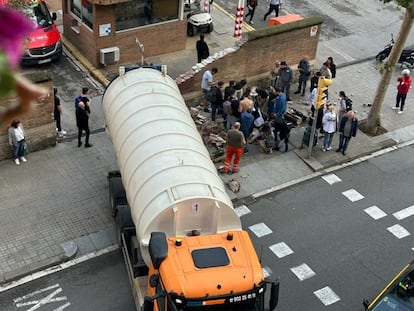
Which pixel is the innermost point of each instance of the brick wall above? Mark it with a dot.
(157, 39)
(38, 123)
(257, 55)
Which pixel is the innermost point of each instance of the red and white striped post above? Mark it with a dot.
(206, 6)
(239, 19)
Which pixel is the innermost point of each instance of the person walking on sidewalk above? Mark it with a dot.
(57, 113)
(235, 144)
(304, 74)
(251, 6)
(402, 90)
(82, 122)
(329, 122)
(274, 5)
(202, 49)
(17, 140)
(347, 129)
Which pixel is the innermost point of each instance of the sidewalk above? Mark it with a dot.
(57, 203)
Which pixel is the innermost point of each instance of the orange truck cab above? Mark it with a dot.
(45, 44)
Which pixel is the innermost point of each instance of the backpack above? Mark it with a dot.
(212, 95)
(348, 104)
(227, 107)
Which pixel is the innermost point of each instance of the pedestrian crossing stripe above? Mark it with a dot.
(375, 212)
(303, 272)
(404, 213)
(327, 296)
(281, 249)
(353, 195)
(398, 231)
(331, 179)
(260, 230)
(242, 210)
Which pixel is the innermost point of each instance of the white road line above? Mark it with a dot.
(353, 195)
(331, 179)
(242, 210)
(399, 231)
(62, 307)
(375, 212)
(404, 213)
(260, 230)
(267, 271)
(327, 296)
(18, 299)
(281, 249)
(303, 272)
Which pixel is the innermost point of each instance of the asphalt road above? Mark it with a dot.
(327, 241)
(97, 284)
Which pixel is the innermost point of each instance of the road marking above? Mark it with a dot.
(399, 231)
(303, 272)
(36, 304)
(353, 195)
(327, 296)
(260, 230)
(375, 212)
(267, 271)
(331, 179)
(404, 213)
(242, 210)
(281, 249)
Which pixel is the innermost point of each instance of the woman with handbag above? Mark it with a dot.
(17, 140)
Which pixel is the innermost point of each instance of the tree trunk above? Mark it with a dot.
(374, 115)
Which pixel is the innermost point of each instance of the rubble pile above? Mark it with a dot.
(213, 134)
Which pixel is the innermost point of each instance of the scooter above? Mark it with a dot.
(406, 57)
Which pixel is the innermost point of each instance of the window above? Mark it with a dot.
(82, 9)
(138, 13)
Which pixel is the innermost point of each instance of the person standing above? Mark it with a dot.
(82, 122)
(235, 144)
(332, 66)
(84, 97)
(304, 74)
(202, 49)
(280, 105)
(329, 122)
(345, 105)
(274, 5)
(285, 76)
(347, 129)
(404, 84)
(326, 71)
(57, 113)
(246, 122)
(16, 137)
(206, 83)
(251, 6)
(217, 103)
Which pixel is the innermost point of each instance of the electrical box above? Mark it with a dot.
(109, 55)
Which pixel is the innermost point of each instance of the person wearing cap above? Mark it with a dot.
(402, 90)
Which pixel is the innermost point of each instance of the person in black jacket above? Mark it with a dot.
(203, 51)
(82, 122)
(217, 103)
(332, 66)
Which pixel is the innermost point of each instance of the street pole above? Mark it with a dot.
(312, 133)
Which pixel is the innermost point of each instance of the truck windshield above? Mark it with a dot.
(39, 14)
(399, 297)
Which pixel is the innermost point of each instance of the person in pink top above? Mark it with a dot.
(403, 88)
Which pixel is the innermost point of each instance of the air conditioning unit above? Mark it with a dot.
(109, 55)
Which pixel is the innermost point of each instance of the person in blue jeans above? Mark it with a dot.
(217, 103)
(329, 121)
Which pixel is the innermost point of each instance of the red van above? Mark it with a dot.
(45, 44)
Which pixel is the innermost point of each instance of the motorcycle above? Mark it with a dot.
(406, 57)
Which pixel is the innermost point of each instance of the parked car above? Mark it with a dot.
(199, 22)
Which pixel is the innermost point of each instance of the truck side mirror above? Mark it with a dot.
(365, 302)
(274, 296)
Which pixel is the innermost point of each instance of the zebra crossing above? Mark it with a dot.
(326, 295)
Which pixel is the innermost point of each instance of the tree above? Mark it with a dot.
(374, 115)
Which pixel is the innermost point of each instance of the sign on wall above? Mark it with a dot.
(104, 30)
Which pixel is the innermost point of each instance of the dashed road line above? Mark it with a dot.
(260, 230)
(398, 231)
(281, 249)
(327, 296)
(375, 212)
(303, 272)
(331, 179)
(404, 213)
(21, 302)
(353, 195)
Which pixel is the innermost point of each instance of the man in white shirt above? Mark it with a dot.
(206, 83)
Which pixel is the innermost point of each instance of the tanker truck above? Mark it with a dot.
(181, 239)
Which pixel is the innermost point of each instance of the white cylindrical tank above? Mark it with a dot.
(171, 183)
